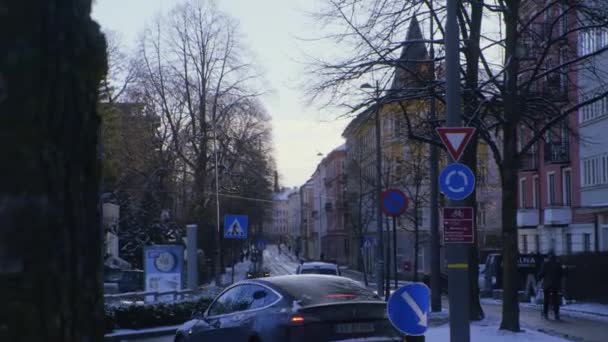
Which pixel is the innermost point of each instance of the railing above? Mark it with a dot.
(150, 296)
(557, 152)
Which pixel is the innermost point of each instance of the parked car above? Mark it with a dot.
(318, 267)
(257, 272)
(292, 308)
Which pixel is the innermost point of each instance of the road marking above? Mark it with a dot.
(458, 266)
(422, 317)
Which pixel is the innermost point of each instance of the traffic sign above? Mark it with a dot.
(235, 226)
(261, 245)
(408, 309)
(455, 139)
(458, 225)
(457, 181)
(394, 202)
(368, 242)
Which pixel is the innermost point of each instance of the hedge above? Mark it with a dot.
(139, 316)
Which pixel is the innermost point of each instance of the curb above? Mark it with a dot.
(138, 334)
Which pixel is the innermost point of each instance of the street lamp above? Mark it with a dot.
(379, 237)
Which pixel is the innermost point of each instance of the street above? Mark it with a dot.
(571, 327)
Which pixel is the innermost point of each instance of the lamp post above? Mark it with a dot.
(379, 228)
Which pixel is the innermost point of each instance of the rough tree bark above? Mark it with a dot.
(508, 169)
(50, 237)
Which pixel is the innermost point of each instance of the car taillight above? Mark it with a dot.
(340, 295)
(297, 319)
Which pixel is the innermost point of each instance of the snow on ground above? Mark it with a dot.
(279, 264)
(594, 311)
(481, 332)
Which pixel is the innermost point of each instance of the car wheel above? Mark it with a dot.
(179, 338)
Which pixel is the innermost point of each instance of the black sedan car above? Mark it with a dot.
(292, 308)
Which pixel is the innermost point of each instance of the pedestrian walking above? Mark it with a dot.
(551, 274)
(322, 256)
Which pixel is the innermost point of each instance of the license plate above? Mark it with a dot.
(354, 328)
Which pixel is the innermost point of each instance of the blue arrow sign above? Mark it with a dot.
(457, 181)
(236, 226)
(408, 309)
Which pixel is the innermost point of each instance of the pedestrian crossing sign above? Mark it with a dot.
(235, 226)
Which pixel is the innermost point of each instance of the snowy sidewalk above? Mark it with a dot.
(489, 332)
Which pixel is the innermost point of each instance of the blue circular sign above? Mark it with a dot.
(408, 309)
(394, 202)
(457, 181)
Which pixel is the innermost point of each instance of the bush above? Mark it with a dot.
(139, 316)
(586, 276)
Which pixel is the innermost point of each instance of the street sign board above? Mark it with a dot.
(235, 226)
(455, 139)
(458, 225)
(394, 202)
(260, 245)
(457, 181)
(163, 268)
(368, 242)
(408, 309)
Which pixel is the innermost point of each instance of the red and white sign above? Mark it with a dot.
(458, 225)
(455, 139)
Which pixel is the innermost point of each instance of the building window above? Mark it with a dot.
(568, 243)
(537, 242)
(524, 244)
(567, 187)
(420, 258)
(535, 192)
(595, 171)
(522, 193)
(551, 188)
(586, 242)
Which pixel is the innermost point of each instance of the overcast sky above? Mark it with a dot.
(271, 28)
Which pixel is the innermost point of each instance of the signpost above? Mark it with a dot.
(458, 225)
(235, 227)
(394, 203)
(408, 310)
(367, 242)
(457, 181)
(455, 139)
(163, 267)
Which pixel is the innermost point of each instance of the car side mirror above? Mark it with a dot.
(197, 315)
(259, 294)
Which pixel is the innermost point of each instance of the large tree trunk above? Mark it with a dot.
(472, 54)
(475, 310)
(50, 237)
(509, 167)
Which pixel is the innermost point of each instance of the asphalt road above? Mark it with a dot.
(572, 328)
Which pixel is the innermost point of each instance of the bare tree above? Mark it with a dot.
(512, 80)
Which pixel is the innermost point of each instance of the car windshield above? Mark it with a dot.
(327, 271)
(322, 291)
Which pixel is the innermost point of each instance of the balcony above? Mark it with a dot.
(528, 217)
(558, 216)
(528, 161)
(557, 152)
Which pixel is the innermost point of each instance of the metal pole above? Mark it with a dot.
(218, 239)
(379, 228)
(434, 175)
(233, 263)
(457, 254)
(395, 251)
(191, 252)
(320, 222)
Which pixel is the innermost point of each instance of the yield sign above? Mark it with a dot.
(455, 139)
